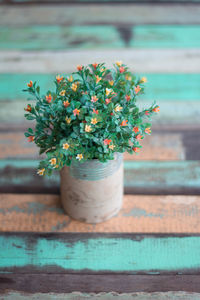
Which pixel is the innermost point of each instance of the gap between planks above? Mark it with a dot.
(147, 214)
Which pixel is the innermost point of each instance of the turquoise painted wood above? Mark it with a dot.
(170, 87)
(38, 37)
(114, 253)
(146, 176)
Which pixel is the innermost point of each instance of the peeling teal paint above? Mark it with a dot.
(138, 212)
(150, 254)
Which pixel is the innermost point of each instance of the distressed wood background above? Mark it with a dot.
(150, 250)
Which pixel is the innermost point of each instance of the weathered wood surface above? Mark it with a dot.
(99, 36)
(103, 296)
(158, 146)
(162, 60)
(147, 214)
(141, 177)
(102, 13)
(156, 87)
(95, 253)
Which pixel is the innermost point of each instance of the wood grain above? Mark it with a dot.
(147, 214)
(162, 60)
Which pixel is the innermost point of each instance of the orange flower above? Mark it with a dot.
(111, 82)
(111, 147)
(30, 138)
(28, 108)
(79, 67)
(94, 99)
(119, 63)
(121, 69)
(95, 65)
(156, 109)
(62, 93)
(49, 98)
(148, 130)
(124, 123)
(88, 128)
(146, 112)
(41, 171)
(108, 100)
(107, 142)
(97, 78)
(53, 161)
(30, 84)
(136, 149)
(137, 89)
(143, 80)
(76, 111)
(128, 77)
(94, 121)
(66, 146)
(79, 156)
(95, 111)
(139, 137)
(135, 129)
(128, 98)
(118, 108)
(70, 79)
(59, 79)
(74, 87)
(66, 103)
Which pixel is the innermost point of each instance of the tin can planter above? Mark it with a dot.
(92, 191)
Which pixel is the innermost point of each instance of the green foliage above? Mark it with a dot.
(90, 115)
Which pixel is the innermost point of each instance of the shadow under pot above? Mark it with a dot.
(92, 191)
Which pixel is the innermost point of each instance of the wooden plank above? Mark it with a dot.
(158, 146)
(162, 60)
(172, 114)
(93, 253)
(43, 213)
(141, 177)
(95, 1)
(156, 87)
(102, 13)
(99, 36)
(99, 287)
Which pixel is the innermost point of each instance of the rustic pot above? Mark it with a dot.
(92, 191)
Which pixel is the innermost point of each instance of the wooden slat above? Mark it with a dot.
(160, 86)
(99, 253)
(95, 1)
(162, 60)
(99, 36)
(147, 214)
(103, 13)
(99, 287)
(141, 177)
(158, 146)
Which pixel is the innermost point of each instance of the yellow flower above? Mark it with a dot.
(79, 156)
(94, 121)
(62, 93)
(88, 128)
(111, 82)
(68, 120)
(143, 80)
(66, 146)
(111, 146)
(108, 91)
(74, 87)
(70, 79)
(128, 77)
(118, 108)
(97, 78)
(41, 171)
(53, 161)
(119, 63)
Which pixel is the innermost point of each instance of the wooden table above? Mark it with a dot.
(151, 249)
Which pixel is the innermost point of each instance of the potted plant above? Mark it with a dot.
(84, 127)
